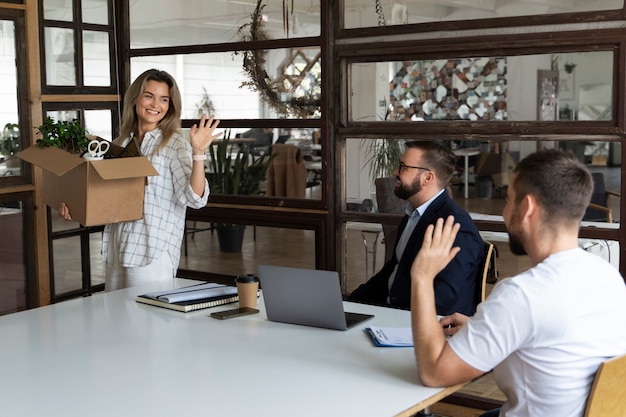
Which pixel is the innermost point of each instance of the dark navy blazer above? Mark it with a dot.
(454, 286)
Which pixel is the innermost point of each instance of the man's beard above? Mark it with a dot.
(405, 191)
(516, 238)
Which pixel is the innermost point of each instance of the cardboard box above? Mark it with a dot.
(97, 192)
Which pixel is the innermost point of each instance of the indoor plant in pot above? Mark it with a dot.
(9, 146)
(68, 135)
(235, 174)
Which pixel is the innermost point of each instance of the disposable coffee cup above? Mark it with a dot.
(247, 289)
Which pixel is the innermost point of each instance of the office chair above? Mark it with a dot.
(287, 175)
(487, 273)
(607, 392)
(599, 210)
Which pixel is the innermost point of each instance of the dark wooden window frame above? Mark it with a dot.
(78, 27)
(460, 25)
(82, 232)
(28, 208)
(495, 45)
(266, 211)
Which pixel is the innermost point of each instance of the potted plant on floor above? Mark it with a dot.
(9, 146)
(383, 156)
(235, 173)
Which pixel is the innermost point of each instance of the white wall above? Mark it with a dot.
(219, 73)
(367, 104)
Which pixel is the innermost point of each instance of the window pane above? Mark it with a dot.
(9, 146)
(63, 115)
(368, 13)
(98, 123)
(10, 133)
(481, 188)
(307, 167)
(68, 270)
(572, 86)
(200, 76)
(95, 11)
(219, 77)
(60, 56)
(68, 274)
(365, 253)
(96, 58)
(156, 23)
(259, 245)
(58, 10)
(12, 259)
(366, 250)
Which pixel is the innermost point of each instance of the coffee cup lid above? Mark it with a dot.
(247, 278)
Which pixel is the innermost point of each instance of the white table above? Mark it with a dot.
(606, 249)
(107, 355)
(466, 153)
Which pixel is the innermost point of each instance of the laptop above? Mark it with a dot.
(307, 297)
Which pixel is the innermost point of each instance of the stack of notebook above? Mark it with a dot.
(191, 298)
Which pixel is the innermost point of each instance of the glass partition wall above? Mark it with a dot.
(566, 87)
(491, 107)
(386, 89)
(258, 67)
(18, 287)
(365, 13)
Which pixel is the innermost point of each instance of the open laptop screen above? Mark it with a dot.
(305, 296)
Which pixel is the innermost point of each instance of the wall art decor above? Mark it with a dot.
(454, 89)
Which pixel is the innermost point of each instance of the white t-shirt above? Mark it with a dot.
(545, 331)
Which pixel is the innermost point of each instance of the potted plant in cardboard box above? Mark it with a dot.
(237, 173)
(68, 135)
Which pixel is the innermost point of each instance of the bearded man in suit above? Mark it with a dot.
(423, 173)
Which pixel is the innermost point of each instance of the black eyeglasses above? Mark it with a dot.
(403, 167)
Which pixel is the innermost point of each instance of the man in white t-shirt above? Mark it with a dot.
(543, 332)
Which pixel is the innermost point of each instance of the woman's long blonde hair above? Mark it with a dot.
(170, 124)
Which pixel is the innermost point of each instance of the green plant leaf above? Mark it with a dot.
(383, 156)
(237, 174)
(68, 135)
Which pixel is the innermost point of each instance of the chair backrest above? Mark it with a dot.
(606, 398)
(389, 203)
(286, 175)
(598, 197)
(487, 268)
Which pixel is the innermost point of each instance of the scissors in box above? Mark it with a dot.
(97, 148)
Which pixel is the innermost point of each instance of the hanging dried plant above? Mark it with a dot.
(271, 90)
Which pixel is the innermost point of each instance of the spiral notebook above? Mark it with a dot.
(194, 297)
